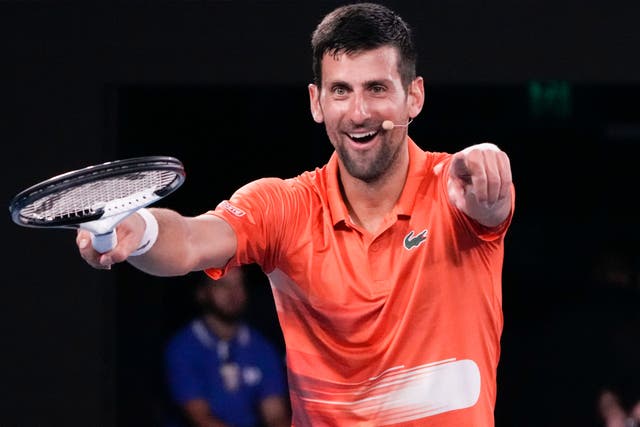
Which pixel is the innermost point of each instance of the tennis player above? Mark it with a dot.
(385, 263)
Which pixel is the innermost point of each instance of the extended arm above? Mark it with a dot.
(480, 183)
(184, 244)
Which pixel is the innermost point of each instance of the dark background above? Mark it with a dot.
(222, 86)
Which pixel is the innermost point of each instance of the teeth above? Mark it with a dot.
(362, 135)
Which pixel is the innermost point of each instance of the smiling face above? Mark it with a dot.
(358, 92)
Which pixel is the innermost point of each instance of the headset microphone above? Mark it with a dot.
(388, 124)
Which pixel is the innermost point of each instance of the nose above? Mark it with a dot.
(359, 109)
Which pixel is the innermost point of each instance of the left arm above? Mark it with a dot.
(199, 414)
(275, 412)
(480, 183)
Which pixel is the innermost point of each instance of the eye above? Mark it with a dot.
(339, 90)
(378, 89)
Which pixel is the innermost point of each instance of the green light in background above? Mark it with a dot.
(550, 99)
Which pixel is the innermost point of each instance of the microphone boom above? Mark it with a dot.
(389, 125)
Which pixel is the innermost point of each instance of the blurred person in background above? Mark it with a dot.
(220, 371)
(613, 413)
(615, 310)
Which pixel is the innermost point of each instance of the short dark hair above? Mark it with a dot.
(363, 26)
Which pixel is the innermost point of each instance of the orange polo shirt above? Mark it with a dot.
(398, 328)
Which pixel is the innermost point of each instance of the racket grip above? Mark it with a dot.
(104, 242)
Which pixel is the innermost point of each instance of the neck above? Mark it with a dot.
(223, 329)
(369, 202)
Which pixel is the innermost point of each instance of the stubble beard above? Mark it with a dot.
(228, 316)
(369, 167)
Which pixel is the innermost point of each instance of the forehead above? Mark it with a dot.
(222, 287)
(361, 66)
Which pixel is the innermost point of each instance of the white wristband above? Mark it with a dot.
(150, 232)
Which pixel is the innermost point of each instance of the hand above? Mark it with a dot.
(480, 183)
(129, 232)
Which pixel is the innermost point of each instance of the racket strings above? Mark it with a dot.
(121, 192)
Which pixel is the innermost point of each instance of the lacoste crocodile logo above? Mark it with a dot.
(411, 242)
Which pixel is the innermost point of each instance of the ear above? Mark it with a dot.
(415, 97)
(314, 101)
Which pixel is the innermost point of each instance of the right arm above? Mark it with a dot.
(184, 244)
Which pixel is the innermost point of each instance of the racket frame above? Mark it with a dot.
(99, 220)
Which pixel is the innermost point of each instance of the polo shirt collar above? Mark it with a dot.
(404, 205)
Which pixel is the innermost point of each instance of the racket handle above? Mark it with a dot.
(104, 242)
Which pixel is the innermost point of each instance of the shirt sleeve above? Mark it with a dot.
(259, 214)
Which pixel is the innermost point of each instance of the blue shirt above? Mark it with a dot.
(233, 376)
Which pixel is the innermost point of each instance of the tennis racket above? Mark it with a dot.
(97, 198)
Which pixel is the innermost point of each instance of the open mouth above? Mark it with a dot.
(364, 137)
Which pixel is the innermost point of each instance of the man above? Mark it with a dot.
(385, 263)
(222, 372)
